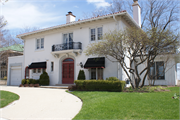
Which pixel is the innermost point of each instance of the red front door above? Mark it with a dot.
(68, 71)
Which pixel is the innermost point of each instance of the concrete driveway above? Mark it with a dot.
(41, 104)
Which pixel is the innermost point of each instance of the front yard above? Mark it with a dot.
(126, 105)
(7, 98)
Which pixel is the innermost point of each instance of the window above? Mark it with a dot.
(100, 33)
(39, 70)
(100, 73)
(156, 71)
(40, 43)
(97, 73)
(52, 66)
(43, 70)
(34, 70)
(96, 35)
(6, 73)
(93, 34)
(93, 73)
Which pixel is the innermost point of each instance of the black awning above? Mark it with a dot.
(37, 65)
(95, 63)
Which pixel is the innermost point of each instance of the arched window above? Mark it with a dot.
(26, 73)
(68, 60)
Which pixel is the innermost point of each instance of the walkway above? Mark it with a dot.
(41, 104)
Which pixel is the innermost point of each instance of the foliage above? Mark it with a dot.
(112, 79)
(5, 78)
(7, 98)
(121, 105)
(99, 85)
(27, 81)
(81, 75)
(44, 79)
(138, 47)
(176, 96)
(23, 81)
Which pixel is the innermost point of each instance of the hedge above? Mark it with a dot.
(29, 81)
(100, 85)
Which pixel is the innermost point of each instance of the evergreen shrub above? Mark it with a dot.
(44, 79)
(81, 75)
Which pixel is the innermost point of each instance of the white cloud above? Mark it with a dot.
(99, 3)
(19, 15)
(76, 6)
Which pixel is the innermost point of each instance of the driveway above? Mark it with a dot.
(41, 104)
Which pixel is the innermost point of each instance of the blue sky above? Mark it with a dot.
(47, 13)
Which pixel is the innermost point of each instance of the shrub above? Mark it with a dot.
(81, 75)
(5, 78)
(112, 79)
(44, 79)
(31, 81)
(27, 81)
(23, 81)
(100, 85)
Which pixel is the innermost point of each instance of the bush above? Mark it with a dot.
(23, 81)
(5, 78)
(44, 79)
(81, 75)
(27, 81)
(100, 85)
(112, 79)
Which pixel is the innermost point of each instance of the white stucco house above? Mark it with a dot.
(59, 50)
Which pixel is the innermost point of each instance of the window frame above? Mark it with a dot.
(97, 72)
(96, 33)
(156, 71)
(40, 46)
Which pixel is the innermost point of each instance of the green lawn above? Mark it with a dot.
(7, 97)
(119, 105)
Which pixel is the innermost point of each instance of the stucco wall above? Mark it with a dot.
(170, 72)
(81, 33)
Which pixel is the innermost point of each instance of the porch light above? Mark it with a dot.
(81, 64)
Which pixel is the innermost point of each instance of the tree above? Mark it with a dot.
(136, 46)
(154, 13)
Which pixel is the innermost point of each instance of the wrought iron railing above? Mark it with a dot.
(67, 46)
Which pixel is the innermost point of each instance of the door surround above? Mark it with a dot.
(60, 66)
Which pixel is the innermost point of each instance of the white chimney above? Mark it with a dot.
(70, 17)
(137, 12)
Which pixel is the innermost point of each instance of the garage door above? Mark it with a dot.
(16, 76)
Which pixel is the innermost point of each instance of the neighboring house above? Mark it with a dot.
(5, 52)
(59, 50)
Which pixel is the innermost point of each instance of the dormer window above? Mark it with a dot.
(40, 43)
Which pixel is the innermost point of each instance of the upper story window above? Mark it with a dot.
(96, 34)
(40, 43)
(157, 71)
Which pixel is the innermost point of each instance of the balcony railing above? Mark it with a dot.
(67, 46)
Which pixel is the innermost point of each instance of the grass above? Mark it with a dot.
(7, 98)
(121, 105)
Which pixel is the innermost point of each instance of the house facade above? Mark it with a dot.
(59, 50)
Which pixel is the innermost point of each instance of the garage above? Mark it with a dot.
(15, 76)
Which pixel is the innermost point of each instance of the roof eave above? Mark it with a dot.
(79, 22)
